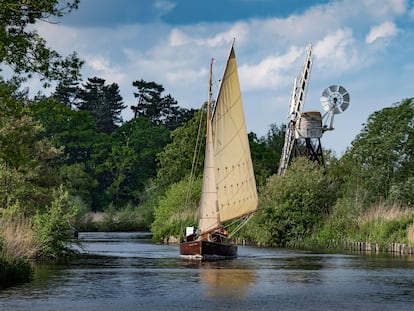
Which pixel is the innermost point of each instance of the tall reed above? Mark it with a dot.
(17, 238)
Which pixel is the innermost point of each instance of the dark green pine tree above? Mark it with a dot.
(66, 92)
(149, 101)
(103, 102)
(159, 110)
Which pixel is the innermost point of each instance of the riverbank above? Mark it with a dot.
(112, 221)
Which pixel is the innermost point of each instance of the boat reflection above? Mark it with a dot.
(226, 283)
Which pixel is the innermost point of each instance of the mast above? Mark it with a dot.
(208, 211)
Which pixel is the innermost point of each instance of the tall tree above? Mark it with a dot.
(159, 109)
(264, 159)
(26, 174)
(381, 157)
(132, 161)
(24, 50)
(149, 98)
(66, 92)
(176, 159)
(103, 102)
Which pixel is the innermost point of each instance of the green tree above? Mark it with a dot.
(158, 109)
(66, 92)
(149, 98)
(275, 139)
(264, 159)
(188, 143)
(24, 50)
(381, 157)
(132, 161)
(103, 102)
(26, 173)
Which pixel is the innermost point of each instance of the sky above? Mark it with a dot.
(365, 46)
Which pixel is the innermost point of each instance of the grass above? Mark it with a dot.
(17, 237)
(385, 225)
(17, 246)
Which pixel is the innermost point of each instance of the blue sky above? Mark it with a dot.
(364, 45)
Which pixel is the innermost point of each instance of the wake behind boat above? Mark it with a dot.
(229, 186)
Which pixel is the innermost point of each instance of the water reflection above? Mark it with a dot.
(227, 283)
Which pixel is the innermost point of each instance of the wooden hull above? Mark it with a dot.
(207, 250)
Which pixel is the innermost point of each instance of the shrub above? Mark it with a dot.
(53, 227)
(293, 206)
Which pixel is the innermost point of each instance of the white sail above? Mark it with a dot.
(236, 184)
(208, 210)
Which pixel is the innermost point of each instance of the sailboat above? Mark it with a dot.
(229, 186)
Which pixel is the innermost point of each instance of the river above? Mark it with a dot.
(126, 271)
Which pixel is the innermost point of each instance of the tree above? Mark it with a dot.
(176, 159)
(132, 160)
(381, 157)
(66, 92)
(24, 50)
(264, 159)
(159, 110)
(103, 102)
(149, 98)
(73, 130)
(26, 173)
(275, 139)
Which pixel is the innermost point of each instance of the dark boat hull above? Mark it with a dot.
(207, 250)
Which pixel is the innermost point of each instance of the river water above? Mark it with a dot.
(125, 271)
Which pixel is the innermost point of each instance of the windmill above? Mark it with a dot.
(305, 129)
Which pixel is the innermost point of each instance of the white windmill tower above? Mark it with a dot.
(304, 129)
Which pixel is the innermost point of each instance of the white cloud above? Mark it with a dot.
(271, 71)
(385, 8)
(382, 31)
(102, 67)
(336, 51)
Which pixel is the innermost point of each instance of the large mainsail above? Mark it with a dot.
(236, 184)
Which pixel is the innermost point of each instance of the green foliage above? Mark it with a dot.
(264, 159)
(384, 231)
(128, 218)
(293, 206)
(26, 170)
(24, 50)
(341, 223)
(382, 155)
(159, 110)
(132, 160)
(177, 157)
(53, 226)
(73, 130)
(176, 210)
(78, 182)
(103, 102)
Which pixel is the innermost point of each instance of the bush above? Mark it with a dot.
(53, 227)
(176, 210)
(128, 218)
(293, 206)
